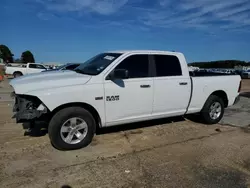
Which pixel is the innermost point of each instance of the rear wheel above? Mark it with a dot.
(71, 128)
(17, 74)
(213, 110)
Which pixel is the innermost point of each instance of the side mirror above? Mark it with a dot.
(119, 74)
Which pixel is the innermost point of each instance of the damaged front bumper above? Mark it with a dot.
(27, 108)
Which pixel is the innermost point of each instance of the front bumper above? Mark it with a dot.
(27, 108)
(27, 115)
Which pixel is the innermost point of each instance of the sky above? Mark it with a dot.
(74, 30)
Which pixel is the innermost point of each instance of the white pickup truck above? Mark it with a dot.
(24, 69)
(120, 87)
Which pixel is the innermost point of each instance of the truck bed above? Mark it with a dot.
(204, 73)
(204, 84)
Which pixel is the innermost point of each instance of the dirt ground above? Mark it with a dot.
(246, 85)
(172, 152)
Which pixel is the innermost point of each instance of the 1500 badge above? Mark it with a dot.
(112, 98)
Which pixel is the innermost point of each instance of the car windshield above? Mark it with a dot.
(97, 64)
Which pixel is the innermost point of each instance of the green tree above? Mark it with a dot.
(5, 54)
(27, 57)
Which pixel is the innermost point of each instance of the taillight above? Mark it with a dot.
(239, 87)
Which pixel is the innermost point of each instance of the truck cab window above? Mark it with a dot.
(136, 65)
(167, 65)
(35, 66)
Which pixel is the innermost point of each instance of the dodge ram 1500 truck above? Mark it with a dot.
(24, 69)
(120, 87)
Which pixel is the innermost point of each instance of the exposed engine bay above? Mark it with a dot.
(27, 107)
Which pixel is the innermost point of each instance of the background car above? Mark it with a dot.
(68, 66)
(246, 74)
(24, 69)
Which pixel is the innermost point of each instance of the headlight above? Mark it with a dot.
(41, 107)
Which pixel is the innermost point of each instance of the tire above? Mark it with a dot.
(17, 74)
(206, 112)
(62, 119)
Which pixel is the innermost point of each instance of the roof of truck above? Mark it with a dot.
(143, 51)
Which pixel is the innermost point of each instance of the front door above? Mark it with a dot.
(130, 99)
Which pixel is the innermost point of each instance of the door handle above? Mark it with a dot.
(183, 83)
(145, 86)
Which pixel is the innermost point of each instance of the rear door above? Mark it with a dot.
(130, 99)
(25, 69)
(172, 89)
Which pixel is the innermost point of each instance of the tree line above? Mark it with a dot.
(8, 57)
(230, 64)
(27, 57)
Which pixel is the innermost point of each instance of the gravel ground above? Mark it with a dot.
(239, 114)
(164, 153)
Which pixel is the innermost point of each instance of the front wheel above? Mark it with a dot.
(213, 110)
(71, 128)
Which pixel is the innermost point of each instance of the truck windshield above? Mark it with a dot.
(97, 64)
(61, 67)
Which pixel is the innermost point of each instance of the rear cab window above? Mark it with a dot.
(167, 65)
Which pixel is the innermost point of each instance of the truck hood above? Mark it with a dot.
(48, 80)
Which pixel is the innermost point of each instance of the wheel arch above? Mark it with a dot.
(17, 72)
(222, 94)
(86, 106)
